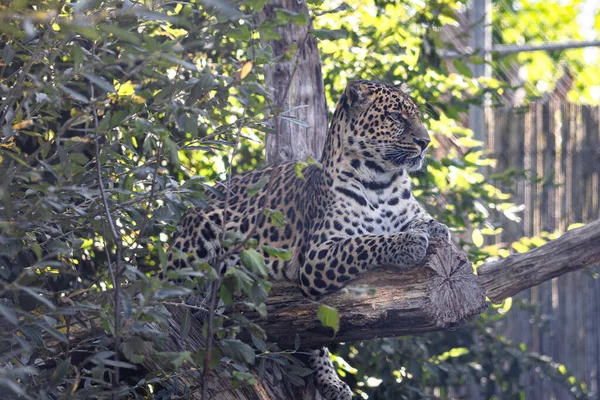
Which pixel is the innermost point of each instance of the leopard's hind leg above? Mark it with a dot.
(327, 381)
(199, 242)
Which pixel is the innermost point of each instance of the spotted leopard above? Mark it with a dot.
(353, 212)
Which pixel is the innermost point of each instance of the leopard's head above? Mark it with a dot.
(380, 124)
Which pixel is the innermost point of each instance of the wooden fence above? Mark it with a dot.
(557, 145)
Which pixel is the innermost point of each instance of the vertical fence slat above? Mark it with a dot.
(558, 145)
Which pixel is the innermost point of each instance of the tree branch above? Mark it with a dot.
(439, 294)
(576, 249)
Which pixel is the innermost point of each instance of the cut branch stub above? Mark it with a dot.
(439, 294)
(454, 293)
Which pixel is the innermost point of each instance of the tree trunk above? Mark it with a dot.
(295, 82)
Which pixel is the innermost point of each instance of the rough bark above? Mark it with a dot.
(574, 250)
(295, 81)
(439, 294)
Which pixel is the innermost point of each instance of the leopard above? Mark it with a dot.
(351, 212)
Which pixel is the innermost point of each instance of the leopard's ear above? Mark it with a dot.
(404, 88)
(357, 94)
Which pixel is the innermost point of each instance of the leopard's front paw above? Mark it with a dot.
(433, 228)
(437, 229)
(198, 305)
(413, 248)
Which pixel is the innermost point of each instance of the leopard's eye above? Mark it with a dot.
(396, 116)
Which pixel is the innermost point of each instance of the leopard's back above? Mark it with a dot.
(273, 205)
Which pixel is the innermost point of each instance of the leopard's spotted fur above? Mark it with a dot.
(352, 213)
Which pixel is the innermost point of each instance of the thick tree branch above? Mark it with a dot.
(576, 249)
(439, 294)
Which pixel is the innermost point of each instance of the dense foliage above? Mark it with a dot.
(117, 116)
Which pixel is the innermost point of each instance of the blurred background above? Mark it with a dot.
(170, 96)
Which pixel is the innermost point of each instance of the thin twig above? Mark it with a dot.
(134, 246)
(234, 249)
(215, 285)
(191, 307)
(113, 230)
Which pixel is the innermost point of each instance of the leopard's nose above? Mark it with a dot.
(421, 142)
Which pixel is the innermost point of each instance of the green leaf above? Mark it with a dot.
(237, 350)
(266, 33)
(61, 371)
(179, 61)
(225, 295)
(256, 187)
(101, 82)
(116, 364)
(133, 348)
(256, 5)
(252, 260)
(12, 384)
(342, 7)
(476, 59)
(294, 380)
(462, 67)
(299, 371)
(282, 254)
(299, 168)
(259, 343)
(176, 359)
(37, 295)
(477, 238)
(37, 249)
(276, 217)
(215, 357)
(232, 238)
(329, 317)
(186, 324)
(79, 158)
(121, 33)
(162, 256)
(171, 292)
(297, 342)
(330, 34)
(224, 7)
(258, 294)
(241, 33)
(8, 314)
(172, 151)
(74, 95)
(53, 331)
(295, 121)
(285, 16)
(88, 32)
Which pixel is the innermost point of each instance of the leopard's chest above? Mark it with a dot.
(381, 212)
(385, 218)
